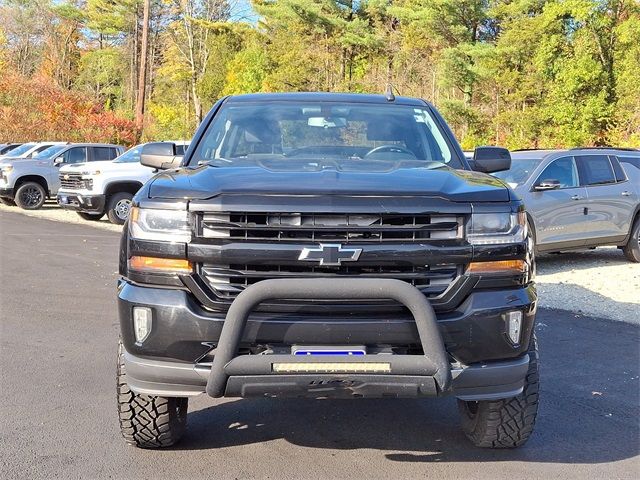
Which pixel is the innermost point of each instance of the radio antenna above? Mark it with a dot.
(389, 93)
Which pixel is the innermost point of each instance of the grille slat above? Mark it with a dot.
(228, 282)
(330, 227)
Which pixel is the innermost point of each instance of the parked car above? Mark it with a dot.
(28, 150)
(320, 215)
(5, 148)
(106, 187)
(27, 182)
(579, 198)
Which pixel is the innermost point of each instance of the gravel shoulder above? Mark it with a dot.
(598, 282)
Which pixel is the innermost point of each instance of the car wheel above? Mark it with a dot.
(119, 207)
(30, 196)
(148, 421)
(505, 423)
(632, 248)
(7, 201)
(92, 217)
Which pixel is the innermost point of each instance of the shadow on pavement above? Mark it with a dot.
(589, 409)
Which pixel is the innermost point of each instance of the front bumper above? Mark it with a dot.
(174, 360)
(486, 381)
(6, 193)
(82, 203)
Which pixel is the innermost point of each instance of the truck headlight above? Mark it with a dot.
(164, 225)
(497, 228)
(4, 171)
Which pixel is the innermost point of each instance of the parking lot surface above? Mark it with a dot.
(58, 414)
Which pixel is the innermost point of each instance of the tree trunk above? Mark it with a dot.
(142, 79)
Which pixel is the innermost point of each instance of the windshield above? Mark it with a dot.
(520, 171)
(49, 152)
(337, 134)
(130, 156)
(16, 152)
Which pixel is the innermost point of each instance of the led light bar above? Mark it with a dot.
(329, 367)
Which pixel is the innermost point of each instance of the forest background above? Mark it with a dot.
(516, 73)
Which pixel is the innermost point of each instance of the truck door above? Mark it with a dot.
(559, 214)
(611, 197)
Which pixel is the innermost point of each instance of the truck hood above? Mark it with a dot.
(101, 165)
(432, 179)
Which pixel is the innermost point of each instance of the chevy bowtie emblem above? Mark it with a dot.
(330, 254)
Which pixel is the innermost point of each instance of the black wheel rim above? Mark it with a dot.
(31, 196)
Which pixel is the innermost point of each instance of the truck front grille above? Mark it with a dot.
(292, 232)
(343, 228)
(74, 181)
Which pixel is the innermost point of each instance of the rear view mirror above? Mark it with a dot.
(160, 155)
(547, 185)
(327, 122)
(491, 159)
(58, 161)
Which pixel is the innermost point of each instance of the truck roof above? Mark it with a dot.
(325, 97)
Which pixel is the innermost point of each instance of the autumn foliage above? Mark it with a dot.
(36, 109)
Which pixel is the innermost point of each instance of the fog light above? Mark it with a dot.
(514, 324)
(141, 323)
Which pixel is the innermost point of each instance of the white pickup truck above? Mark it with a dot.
(106, 187)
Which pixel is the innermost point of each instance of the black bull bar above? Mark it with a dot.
(407, 375)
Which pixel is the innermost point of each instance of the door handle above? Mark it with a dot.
(576, 197)
(626, 193)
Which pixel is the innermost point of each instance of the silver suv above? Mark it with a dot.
(27, 182)
(580, 198)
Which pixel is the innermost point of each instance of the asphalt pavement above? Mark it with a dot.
(58, 418)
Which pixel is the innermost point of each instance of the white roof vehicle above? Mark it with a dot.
(28, 150)
(106, 187)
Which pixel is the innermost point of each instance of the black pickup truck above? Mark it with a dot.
(326, 245)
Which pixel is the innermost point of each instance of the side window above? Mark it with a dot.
(617, 170)
(75, 155)
(563, 170)
(595, 170)
(38, 150)
(103, 153)
(180, 149)
(630, 162)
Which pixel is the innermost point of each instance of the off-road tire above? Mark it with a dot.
(114, 207)
(632, 248)
(92, 217)
(505, 423)
(7, 201)
(30, 196)
(147, 421)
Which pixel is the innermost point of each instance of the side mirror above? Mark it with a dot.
(491, 159)
(160, 155)
(58, 161)
(547, 185)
